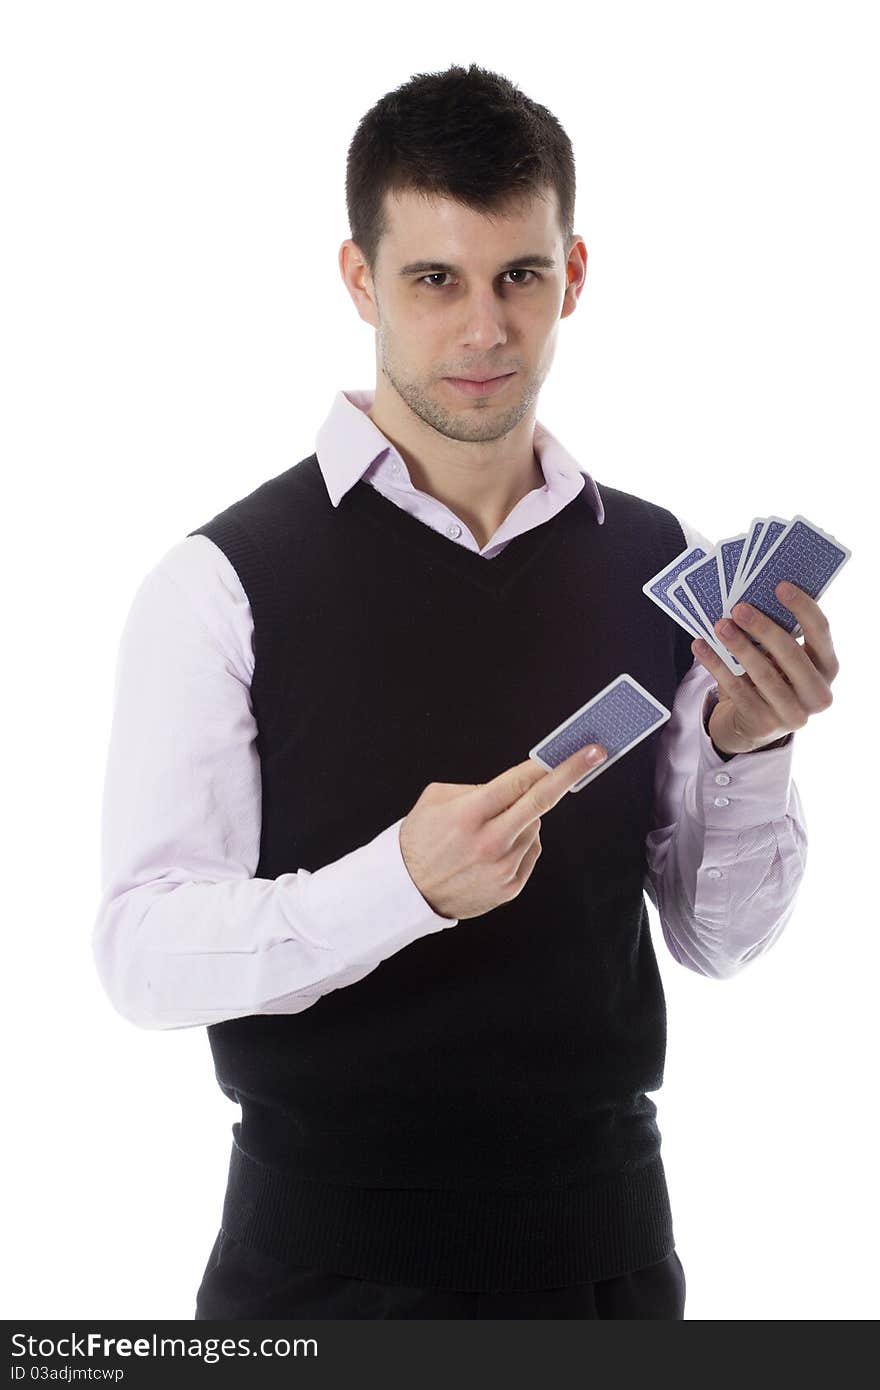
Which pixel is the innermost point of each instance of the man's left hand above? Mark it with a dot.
(782, 685)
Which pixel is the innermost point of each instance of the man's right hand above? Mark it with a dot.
(470, 847)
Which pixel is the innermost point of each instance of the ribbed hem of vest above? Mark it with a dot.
(481, 1242)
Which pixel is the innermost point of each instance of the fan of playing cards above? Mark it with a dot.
(696, 589)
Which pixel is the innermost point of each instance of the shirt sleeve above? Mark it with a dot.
(728, 850)
(185, 934)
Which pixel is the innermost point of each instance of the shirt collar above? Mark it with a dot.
(349, 446)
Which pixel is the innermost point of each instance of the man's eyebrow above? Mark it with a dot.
(532, 258)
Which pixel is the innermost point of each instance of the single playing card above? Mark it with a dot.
(805, 555)
(729, 552)
(752, 537)
(618, 718)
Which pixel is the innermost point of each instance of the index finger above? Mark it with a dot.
(814, 627)
(526, 791)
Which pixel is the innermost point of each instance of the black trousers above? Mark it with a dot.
(242, 1283)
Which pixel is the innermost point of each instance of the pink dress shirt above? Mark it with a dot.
(186, 935)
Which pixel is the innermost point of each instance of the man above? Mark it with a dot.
(427, 972)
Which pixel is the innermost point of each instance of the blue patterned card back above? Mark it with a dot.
(804, 555)
(618, 717)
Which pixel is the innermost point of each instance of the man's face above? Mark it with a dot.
(494, 312)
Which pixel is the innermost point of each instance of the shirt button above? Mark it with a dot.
(722, 801)
(714, 873)
(453, 530)
(395, 466)
(722, 778)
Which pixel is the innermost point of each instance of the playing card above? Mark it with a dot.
(805, 555)
(729, 553)
(752, 536)
(618, 718)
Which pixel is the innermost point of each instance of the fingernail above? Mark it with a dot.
(594, 754)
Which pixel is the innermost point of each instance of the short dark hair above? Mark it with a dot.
(467, 134)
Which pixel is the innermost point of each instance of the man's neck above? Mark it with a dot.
(482, 497)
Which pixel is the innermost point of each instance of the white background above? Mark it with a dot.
(174, 329)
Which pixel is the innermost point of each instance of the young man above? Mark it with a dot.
(427, 972)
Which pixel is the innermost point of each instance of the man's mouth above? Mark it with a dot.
(480, 386)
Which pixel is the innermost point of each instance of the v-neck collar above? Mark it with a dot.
(495, 575)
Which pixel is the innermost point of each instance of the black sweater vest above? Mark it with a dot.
(472, 1114)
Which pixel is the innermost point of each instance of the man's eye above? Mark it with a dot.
(440, 274)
